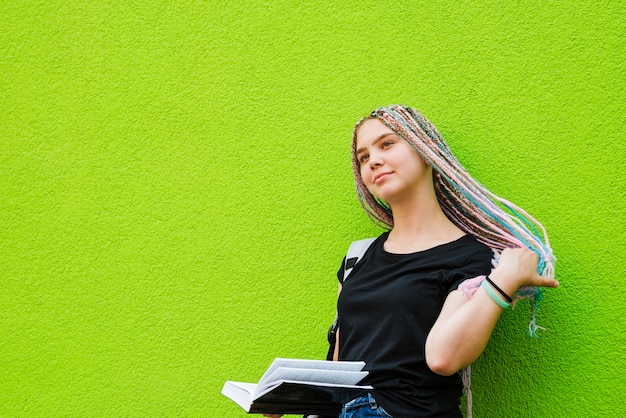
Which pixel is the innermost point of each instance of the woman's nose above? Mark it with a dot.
(375, 160)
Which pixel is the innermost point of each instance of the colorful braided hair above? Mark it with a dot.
(497, 223)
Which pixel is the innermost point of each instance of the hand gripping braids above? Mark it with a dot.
(494, 221)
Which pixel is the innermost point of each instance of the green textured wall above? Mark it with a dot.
(176, 193)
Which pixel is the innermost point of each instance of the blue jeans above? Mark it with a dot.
(363, 407)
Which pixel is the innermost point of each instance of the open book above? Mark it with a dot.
(291, 386)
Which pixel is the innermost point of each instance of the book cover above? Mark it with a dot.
(294, 386)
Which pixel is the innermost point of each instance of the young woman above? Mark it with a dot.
(423, 301)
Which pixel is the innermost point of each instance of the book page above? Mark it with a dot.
(313, 364)
(240, 392)
(338, 377)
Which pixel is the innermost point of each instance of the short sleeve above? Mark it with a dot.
(469, 285)
(476, 266)
(341, 271)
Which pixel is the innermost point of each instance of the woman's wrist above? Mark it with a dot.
(504, 282)
(501, 292)
(490, 289)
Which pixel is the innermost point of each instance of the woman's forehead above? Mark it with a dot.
(371, 129)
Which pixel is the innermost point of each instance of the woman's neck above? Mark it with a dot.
(420, 226)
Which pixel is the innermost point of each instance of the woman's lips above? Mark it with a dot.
(380, 177)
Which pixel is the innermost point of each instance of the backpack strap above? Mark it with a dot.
(355, 253)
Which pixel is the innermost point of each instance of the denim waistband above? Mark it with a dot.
(361, 400)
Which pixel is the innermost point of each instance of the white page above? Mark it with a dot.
(313, 364)
(240, 392)
(339, 377)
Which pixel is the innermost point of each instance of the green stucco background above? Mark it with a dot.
(176, 193)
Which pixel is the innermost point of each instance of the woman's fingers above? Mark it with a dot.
(545, 282)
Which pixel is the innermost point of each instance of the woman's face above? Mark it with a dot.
(390, 168)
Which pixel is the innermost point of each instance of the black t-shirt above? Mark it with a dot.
(387, 307)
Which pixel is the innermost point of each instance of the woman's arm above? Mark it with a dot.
(464, 326)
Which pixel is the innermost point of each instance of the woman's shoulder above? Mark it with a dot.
(473, 252)
(466, 244)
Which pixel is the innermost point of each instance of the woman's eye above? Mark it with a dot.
(386, 144)
(363, 158)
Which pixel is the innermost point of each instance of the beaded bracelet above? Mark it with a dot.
(494, 296)
(502, 292)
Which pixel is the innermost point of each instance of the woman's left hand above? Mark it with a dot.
(518, 267)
